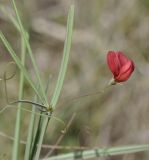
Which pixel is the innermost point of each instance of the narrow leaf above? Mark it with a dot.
(18, 62)
(100, 152)
(23, 32)
(65, 59)
(61, 76)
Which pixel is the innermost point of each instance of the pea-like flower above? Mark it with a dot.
(121, 66)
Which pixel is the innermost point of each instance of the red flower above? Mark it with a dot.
(120, 66)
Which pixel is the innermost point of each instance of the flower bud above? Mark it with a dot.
(120, 66)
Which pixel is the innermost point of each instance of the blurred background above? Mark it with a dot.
(118, 116)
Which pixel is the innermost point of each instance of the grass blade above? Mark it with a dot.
(61, 76)
(30, 133)
(19, 64)
(13, 20)
(100, 152)
(23, 32)
(30, 150)
(15, 151)
(65, 59)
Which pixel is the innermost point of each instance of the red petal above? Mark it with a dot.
(113, 62)
(125, 72)
(122, 58)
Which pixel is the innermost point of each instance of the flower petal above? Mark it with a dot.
(113, 62)
(122, 58)
(125, 72)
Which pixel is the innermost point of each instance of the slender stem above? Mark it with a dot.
(19, 64)
(105, 152)
(30, 132)
(43, 130)
(23, 32)
(61, 136)
(69, 99)
(61, 76)
(15, 151)
(64, 63)
(38, 131)
(41, 107)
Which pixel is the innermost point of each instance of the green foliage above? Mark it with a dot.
(38, 121)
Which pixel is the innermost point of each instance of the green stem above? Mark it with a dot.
(89, 154)
(30, 132)
(23, 32)
(61, 77)
(15, 152)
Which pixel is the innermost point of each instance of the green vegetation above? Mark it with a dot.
(56, 105)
